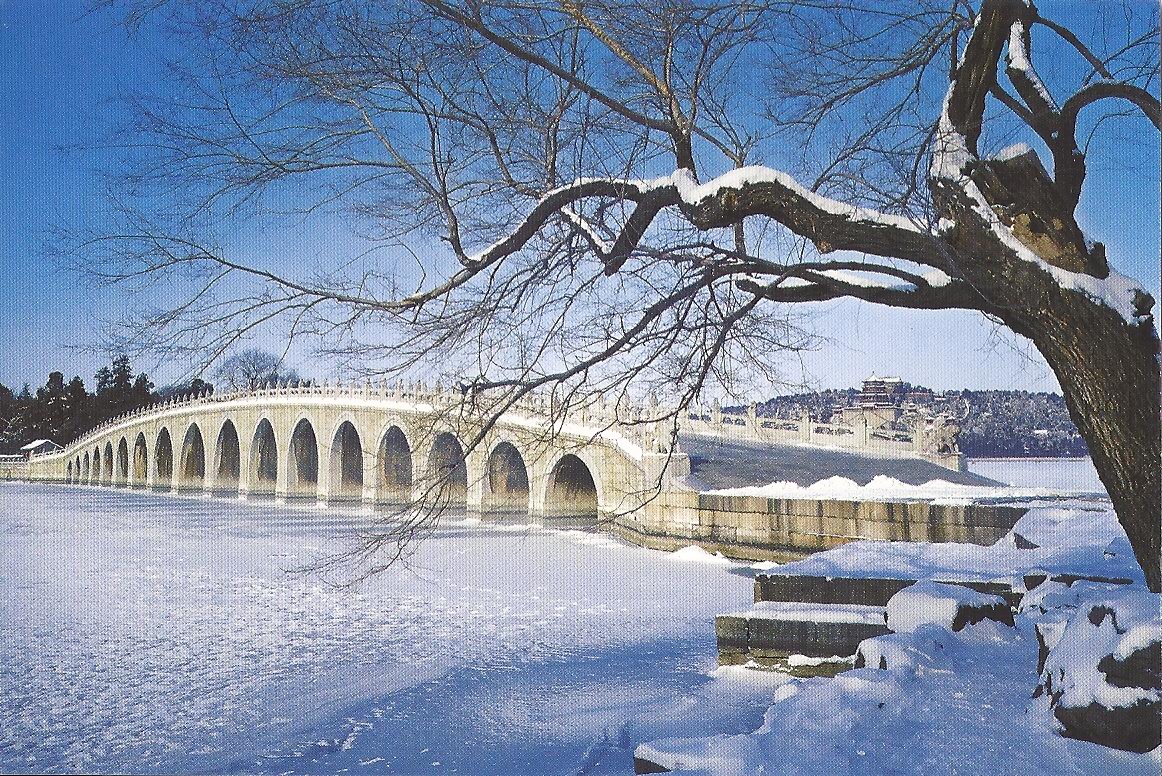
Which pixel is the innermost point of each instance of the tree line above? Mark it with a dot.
(62, 411)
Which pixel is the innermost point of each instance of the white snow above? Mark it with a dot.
(952, 702)
(583, 224)
(796, 661)
(693, 192)
(805, 612)
(157, 634)
(947, 703)
(143, 633)
(695, 554)
(1018, 59)
(949, 160)
(1072, 537)
(884, 487)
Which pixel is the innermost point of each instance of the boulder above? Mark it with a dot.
(1102, 677)
(950, 606)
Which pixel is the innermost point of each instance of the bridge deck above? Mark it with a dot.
(716, 463)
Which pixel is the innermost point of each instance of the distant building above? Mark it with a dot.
(882, 392)
(878, 403)
(40, 446)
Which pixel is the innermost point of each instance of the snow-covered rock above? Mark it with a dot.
(900, 651)
(1102, 677)
(949, 606)
(1051, 604)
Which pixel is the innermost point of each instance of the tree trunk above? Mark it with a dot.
(1107, 367)
(1108, 371)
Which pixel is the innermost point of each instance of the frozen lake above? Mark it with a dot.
(150, 633)
(1066, 474)
(142, 632)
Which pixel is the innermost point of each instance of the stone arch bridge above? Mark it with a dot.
(372, 445)
(391, 446)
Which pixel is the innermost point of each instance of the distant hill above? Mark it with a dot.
(995, 424)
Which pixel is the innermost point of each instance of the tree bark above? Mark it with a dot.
(1108, 371)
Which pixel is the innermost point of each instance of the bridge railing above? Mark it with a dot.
(639, 424)
(931, 439)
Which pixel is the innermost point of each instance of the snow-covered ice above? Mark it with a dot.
(143, 633)
(1071, 475)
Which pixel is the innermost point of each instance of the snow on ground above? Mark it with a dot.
(964, 707)
(156, 634)
(1078, 534)
(950, 702)
(882, 487)
(1071, 537)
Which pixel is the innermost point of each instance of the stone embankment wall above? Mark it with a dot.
(757, 528)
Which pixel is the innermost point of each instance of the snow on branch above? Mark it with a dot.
(956, 169)
(1020, 71)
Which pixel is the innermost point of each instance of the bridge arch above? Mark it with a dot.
(191, 473)
(123, 462)
(264, 459)
(395, 467)
(85, 470)
(346, 464)
(572, 490)
(107, 465)
(227, 458)
(506, 480)
(447, 471)
(163, 460)
(95, 479)
(140, 461)
(69, 473)
(303, 460)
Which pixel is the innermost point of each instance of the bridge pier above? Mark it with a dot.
(323, 477)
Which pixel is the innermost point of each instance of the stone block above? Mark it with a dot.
(808, 637)
(841, 509)
(724, 533)
(752, 521)
(731, 631)
(845, 527)
(879, 530)
(1102, 678)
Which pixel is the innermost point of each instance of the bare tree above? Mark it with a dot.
(252, 368)
(559, 193)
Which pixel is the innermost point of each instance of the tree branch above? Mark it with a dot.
(1102, 90)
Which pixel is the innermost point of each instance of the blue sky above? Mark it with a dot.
(63, 69)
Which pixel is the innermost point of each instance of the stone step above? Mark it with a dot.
(770, 630)
(867, 591)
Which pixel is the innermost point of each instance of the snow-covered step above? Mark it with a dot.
(772, 629)
(868, 591)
